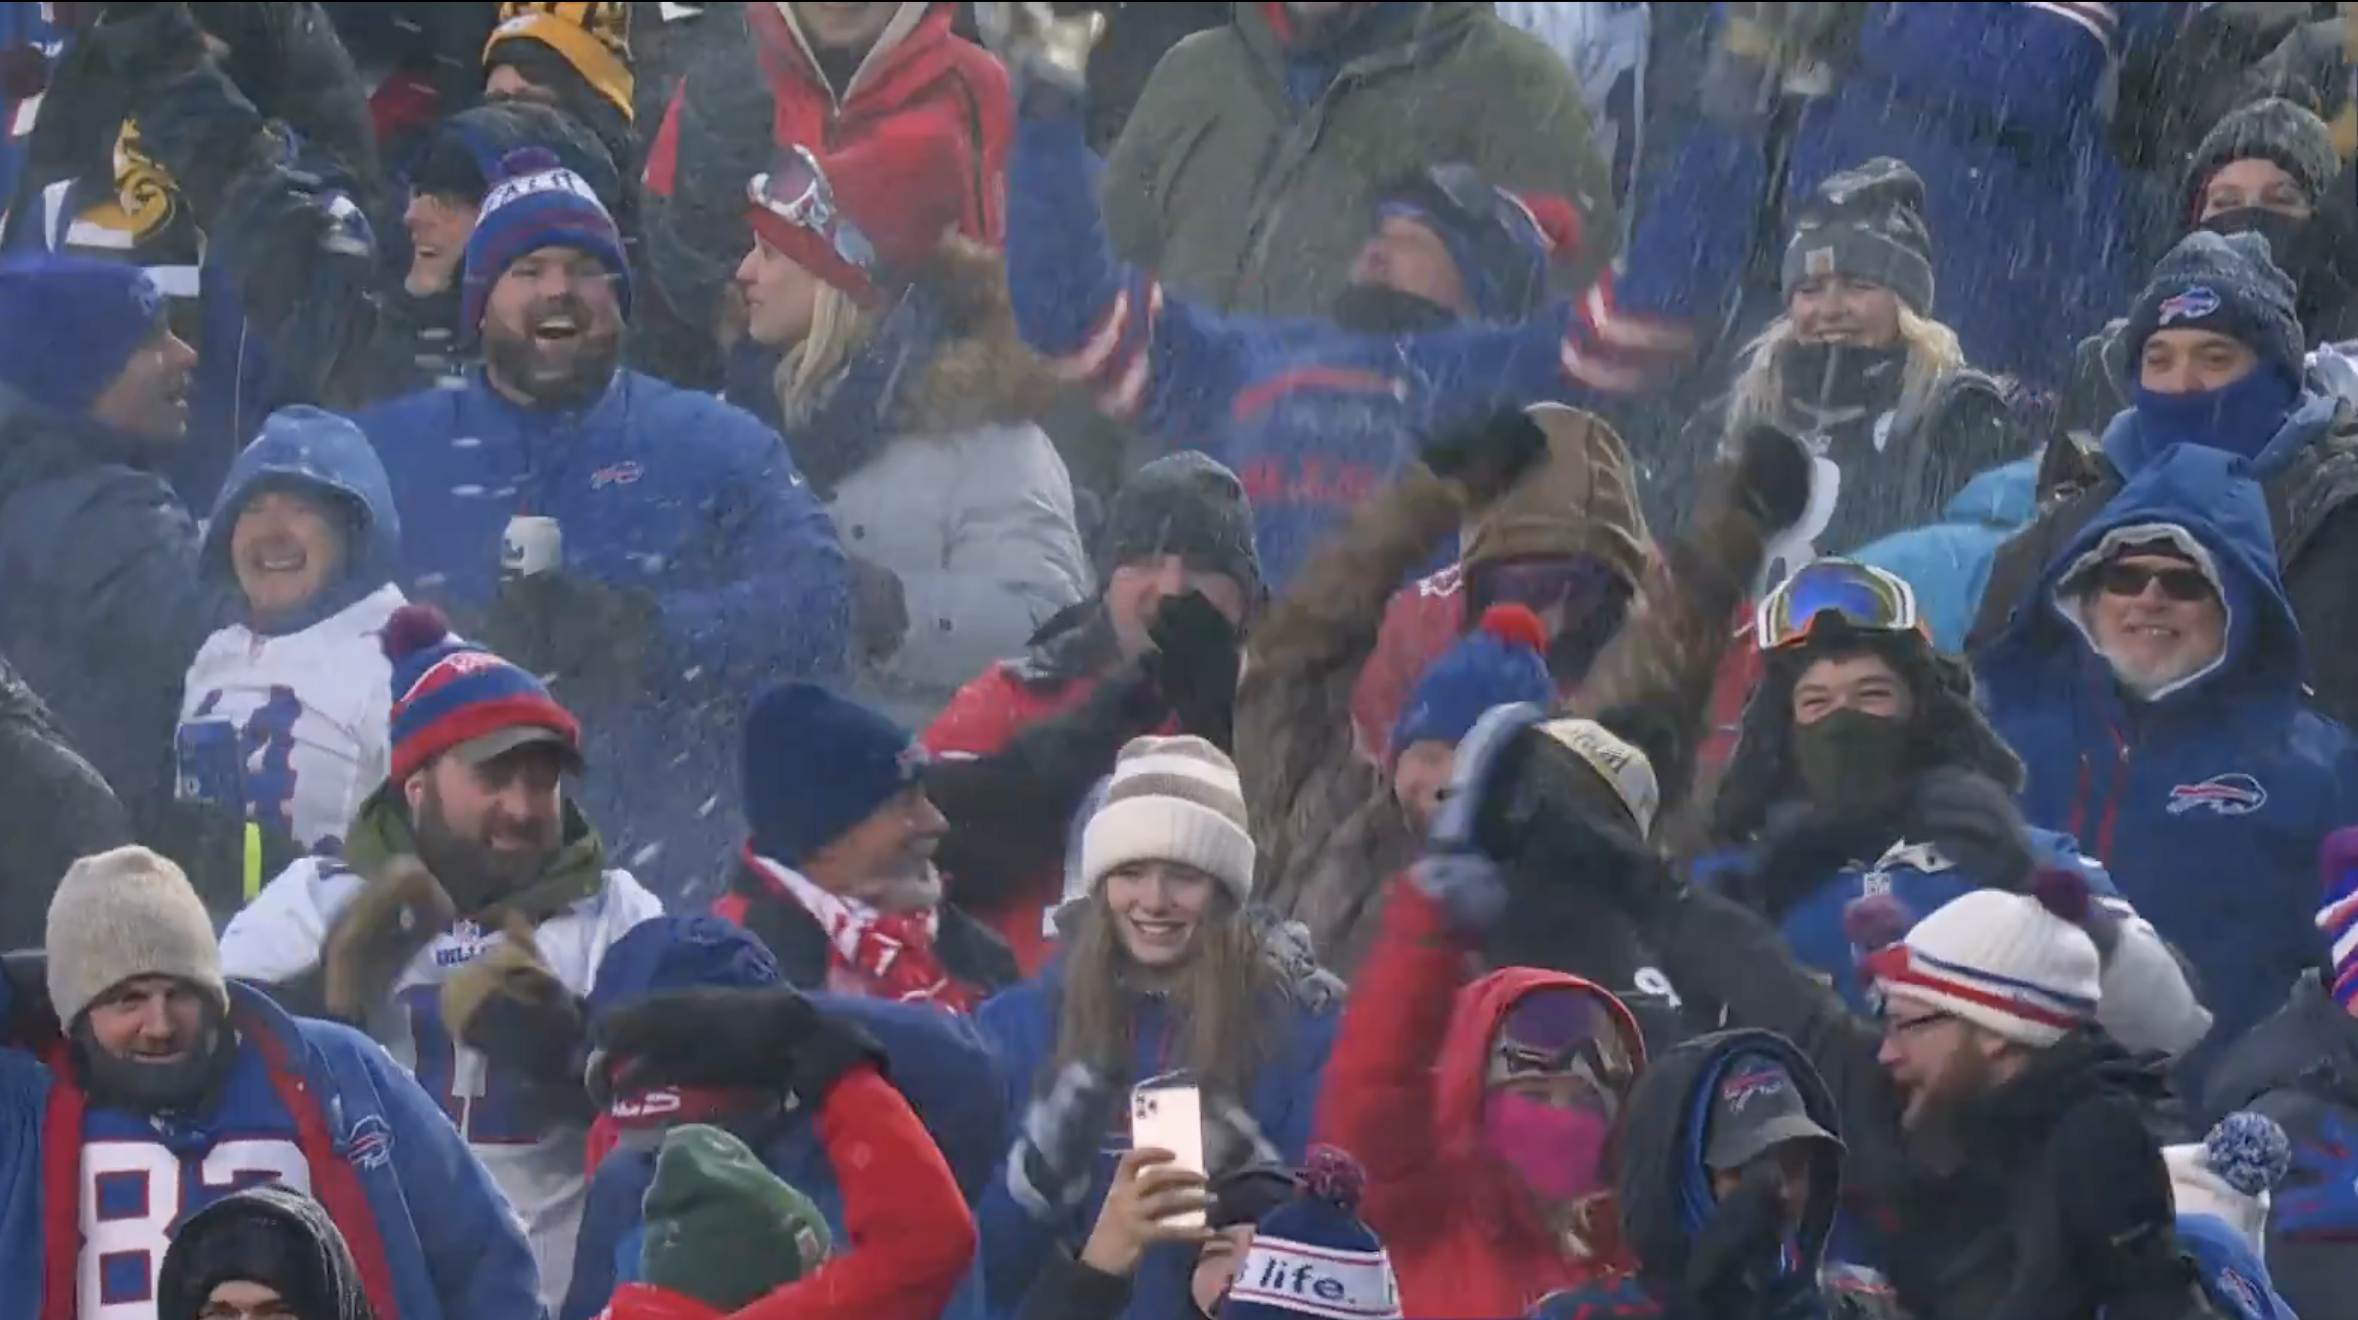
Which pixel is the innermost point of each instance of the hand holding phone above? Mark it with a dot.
(1170, 1116)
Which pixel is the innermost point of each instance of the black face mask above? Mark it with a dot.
(1852, 764)
(1843, 376)
(2312, 251)
(1378, 309)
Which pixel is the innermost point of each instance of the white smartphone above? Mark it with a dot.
(1170, 1116)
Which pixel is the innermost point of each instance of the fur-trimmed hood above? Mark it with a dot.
(978, 372)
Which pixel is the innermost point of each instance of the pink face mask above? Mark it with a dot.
(1557, 1151)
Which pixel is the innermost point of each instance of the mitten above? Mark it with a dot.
(707, 1037)
(1049, 1166)
(1470, 889)
(396, 914)
(1198, 666)
(1773, 475)
(1489, 456)
(1733, 1261)
(829, 1048)
(509, 1005)
(26, 1015)
(1233, 1138)
(1797, 853)
(1042, 49)
(880, 609)
(2114, 1204)
(1972, 819)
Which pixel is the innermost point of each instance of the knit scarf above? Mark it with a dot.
(381, 831)
(892, 951)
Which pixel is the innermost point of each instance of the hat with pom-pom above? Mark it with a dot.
(2015, 964)
(2231, 1172)
(450, 696)
(537, 203)
(1312, 1255)
(1503, 661)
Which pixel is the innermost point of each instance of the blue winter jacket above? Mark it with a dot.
(2001, 107)
(308, 451)
(453, 1246)
(939, 1063)
(1021, 1024)
(2208, 803)
(1948, 562)
(657, 489)
(1311, 417)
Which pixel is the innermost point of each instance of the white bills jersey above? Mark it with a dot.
(278, 938)
(291, 730)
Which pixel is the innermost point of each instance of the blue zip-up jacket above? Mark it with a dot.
(1021, 1022)
(451, 1245)
(2003, 107)
(938, 1062)
(654, 489)
(1948, 562)
(305, 449)
(2207, 803)
(1312, 417)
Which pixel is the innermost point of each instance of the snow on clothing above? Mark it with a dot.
(2004, 106)
(1948, 562)
(2300, 1067)
(1608, 47)
(105, 604)
(60, 811)
(655, 489)
(291, 710)
(1405, 1092)
(938, 1062)
(1247, 171)
(2227, 773)
(278, 939)
(1312, 417)
(1021, 1026)
(432, 1237)
(763, 898)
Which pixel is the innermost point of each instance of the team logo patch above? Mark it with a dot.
(369, 1145)
(625, 473)
(1818, 263)
(2232, 1287)
(2191, 305)
(1744, 1085)
(2221, 795)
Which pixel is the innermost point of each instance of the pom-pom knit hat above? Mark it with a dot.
(1313, 1255)
(537, 203)
(2014, 964)
(1172, 800)
(452, 696)
(1503, 661)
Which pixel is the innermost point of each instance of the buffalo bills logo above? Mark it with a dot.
(370, 1143)
(625, 473)
(910, 763)
(1751, 1082)
(2191, 305)
(2221, 795)
(2229, 1286)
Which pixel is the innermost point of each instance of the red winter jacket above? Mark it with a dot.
(1403, 1092)
(919, 68)
(912, 1238)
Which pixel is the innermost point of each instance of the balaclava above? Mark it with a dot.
(2230, 286)
(1558, 1031)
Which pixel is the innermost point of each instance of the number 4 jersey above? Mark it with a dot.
(278, 939)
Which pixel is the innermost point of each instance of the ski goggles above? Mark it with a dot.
(796, 191)
(1862, 597)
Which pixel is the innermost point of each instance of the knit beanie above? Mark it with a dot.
(1314, 1256)
(448, 694)
(1172, 800)
(592, 39)
(2221, 1189)
(720, 1227)
(536, 203)
(71, 323)
(1501, 242)
(867, 218)
(124, 914)
(1503, 661)
(1183, 504)
(2337, 867)
(2275, 130)
(2229, 285)
(1622, 769)
(815, 765)
(1866, 224)
(2017, 965)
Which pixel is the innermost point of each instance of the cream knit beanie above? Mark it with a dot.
(1172, 800)
(124, 914)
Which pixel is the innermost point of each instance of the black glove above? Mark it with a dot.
(28, 1015)
(1773, 474)
(272, 233)
(772, 1036)
(1798, 852)
(1975, 824)
(1198, 660)
(880, 610)
(1732, 1263)
(574, 628)
(208, 839)
(2114, 1206)
(1489, 456)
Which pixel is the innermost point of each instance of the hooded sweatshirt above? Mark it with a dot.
(2226, 774)
(283, 718)
(1948, 562)
(1405, 1091)
(271, 1235)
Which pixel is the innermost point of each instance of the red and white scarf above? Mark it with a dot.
(892, 953)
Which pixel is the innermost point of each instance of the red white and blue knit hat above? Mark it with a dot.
(536, 203)
(1503, 661)
(1313, 1255)
(2014, 964)
(449, 695)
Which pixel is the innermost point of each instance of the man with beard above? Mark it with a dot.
(1445, 320)
(837, 875)
(145, 1088)
(471, 912)
(667, 533)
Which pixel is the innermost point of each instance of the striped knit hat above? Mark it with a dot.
(1172, 800)
(449, 695)
(2337, 866)
(2016, 965)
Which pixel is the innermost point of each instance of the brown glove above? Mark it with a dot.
(394, 917)
(509, 1005)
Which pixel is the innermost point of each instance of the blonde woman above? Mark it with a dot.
(907, 399)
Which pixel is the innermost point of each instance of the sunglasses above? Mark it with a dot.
(1862, 596)
(2177, 583)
